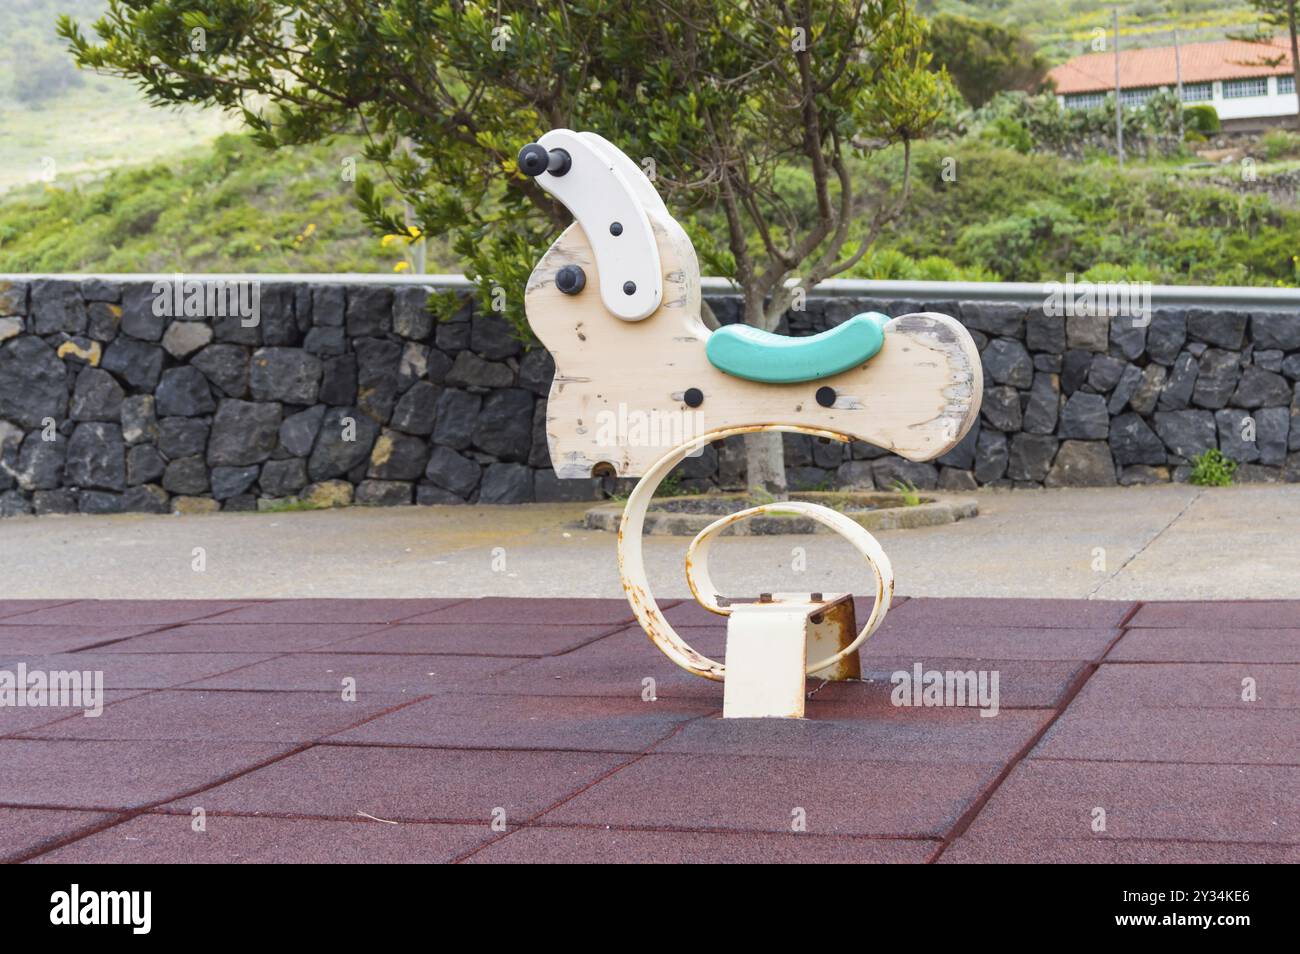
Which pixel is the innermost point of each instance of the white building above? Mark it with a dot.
(1226, 74)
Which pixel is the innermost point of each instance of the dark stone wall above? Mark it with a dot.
(355, 394)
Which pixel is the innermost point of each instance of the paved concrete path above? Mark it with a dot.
(1165, 542)
(532, 714)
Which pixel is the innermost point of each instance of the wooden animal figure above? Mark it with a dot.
(616, 301)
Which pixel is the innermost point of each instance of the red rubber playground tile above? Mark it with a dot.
(832, 733)
(1190, 686)
(1045, 614)
(124, 612)
(227, 839)
(241, 638)
(401, 784)
(512, 609)
(1248, 614)
(613, 846)
(528, 722)
(483, 639)
(1056, 801)
(27, 830)
(64, 639)
(1255, 736)
(326, 672)
(21, 720)
(744, 793)
(116, 775)
(145, 670)
(1022, 683)
(230, 716)
(334, 611)
(625, 664)
(921, 640)
(10, 608)
(1207, 644)
(537, 708)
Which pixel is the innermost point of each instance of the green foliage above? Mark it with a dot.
(908, 491)
(721, 96)
(1111, 272)
(232, 208)
(1212, 469)
(1019, 244)
(1008, 215)
(1201, 118)
(1038, 217)
(288, 505)
(1280, 144)
(1008, 133)
(1063, 28)
(887, 264)
(672, 486)
(984, 58)
(1040, 124)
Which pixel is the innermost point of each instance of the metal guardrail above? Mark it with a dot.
(1250, 296)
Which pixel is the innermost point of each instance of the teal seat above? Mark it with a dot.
(756, 355)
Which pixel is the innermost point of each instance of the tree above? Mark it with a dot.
(1273, 14)
(723, 100)
(983, 58)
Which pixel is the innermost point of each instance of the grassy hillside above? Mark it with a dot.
(55, 120)
(236, 207)
(230, 207)
(139, 189)
(1036, 217)
(1062, 28)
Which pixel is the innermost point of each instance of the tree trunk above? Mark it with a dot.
(765, 465)
(764, 451)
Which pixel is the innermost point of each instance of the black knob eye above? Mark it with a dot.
(534, 160)
(826, 397)
(570, 279)
(693, 397)
(615, 228)
(629, 288)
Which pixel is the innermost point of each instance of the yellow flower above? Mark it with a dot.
(401, 266)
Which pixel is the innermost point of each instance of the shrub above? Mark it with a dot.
(1201, 118)
(1212, 469)
(1280, 144)
(1110, 272)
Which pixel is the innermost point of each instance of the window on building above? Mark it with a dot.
(1286, 84)
(1084, 100)
(1136, 97)
(1198, 92)
(1239, 89)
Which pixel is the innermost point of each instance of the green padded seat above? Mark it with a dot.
(756, 355)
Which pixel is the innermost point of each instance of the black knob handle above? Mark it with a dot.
(534, 160)
(570, 279)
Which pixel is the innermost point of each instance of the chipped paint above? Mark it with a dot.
(644, 606)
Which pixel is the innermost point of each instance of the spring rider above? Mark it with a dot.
(616, 301)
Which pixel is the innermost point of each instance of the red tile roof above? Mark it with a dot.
(1154, 66)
